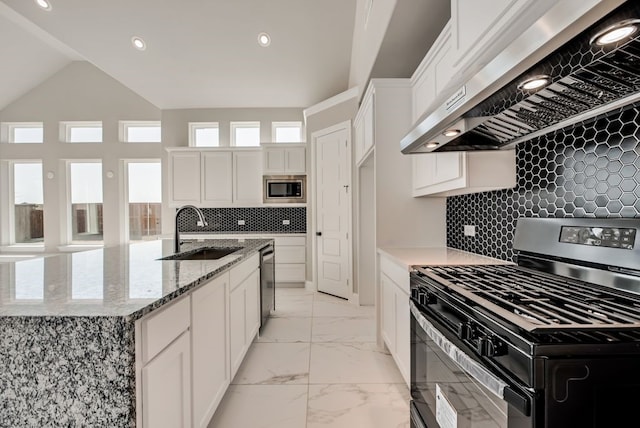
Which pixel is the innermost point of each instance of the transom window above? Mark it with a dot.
(22, 132)
(245, 134)
(81, 132)
(204, 134)
(140, 131)
(286, 132)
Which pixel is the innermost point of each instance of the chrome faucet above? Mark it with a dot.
(201, 223)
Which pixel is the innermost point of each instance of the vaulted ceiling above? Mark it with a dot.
(204, 53)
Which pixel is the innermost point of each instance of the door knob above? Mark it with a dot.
(318, 233)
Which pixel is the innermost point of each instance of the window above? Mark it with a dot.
(286, 132)
(204, 134)
(245, 134)
(145, 200)
(28, 199)
(85, 179)
(22, 132)
(140, 131)
(81, 132)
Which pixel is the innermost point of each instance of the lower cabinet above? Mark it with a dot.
(395, 314)
(190, 349)
(210, 346)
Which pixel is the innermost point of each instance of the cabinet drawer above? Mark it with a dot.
(243, 270)
(161, 328)
(396, 273)
(290, 254)
(290, 240)
(289, 272)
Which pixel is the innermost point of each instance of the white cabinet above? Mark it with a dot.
(244, 309)
(165, 360)
(247, 177)
(395, 316)
(284, 158)
(184, 181)
(457, 173)
(290, 259)
(432, 75)
(215, 177)
(363, 125)
(210, 347)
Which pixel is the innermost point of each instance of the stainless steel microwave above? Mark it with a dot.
(284, 189)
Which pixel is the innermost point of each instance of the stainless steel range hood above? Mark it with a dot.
(493, 111)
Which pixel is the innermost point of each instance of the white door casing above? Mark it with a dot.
(332, 148)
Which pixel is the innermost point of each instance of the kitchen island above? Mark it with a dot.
(69, 350)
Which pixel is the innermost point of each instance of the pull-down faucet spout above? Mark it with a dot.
(202, 222)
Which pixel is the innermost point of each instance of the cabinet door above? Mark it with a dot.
(358, 131)
(403, 333)
(247, 177)
(295, 160)
(237, 330)
(166, 387)
(253, 309)
(217, 178)
(388, 313)
(274, 160)
(448, 167)
(424, 167)
(210, 346)
(369, 124)
(184, 178)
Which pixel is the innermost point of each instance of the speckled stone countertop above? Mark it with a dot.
(125, 281)
(67, 328)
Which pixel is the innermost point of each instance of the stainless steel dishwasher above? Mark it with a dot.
(267, 283)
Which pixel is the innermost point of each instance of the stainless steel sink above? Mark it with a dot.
(205, 253)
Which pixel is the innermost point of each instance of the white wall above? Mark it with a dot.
(79, 91)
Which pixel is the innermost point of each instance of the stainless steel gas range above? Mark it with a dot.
(552, 341)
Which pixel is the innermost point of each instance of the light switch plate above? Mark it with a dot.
(240, 222)
(469, 230)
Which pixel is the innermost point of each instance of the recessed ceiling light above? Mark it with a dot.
(535, 82)
(432, 144)
(138, 43)
(264, 40)
(44, 4)
(451, 132)
(615, 33)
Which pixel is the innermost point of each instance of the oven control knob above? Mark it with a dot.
(415, 293)
(425, 298)
(465, 331)
(491, 347)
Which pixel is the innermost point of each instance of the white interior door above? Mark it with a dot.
(333, 208)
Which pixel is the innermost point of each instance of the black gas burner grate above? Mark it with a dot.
(539, 302)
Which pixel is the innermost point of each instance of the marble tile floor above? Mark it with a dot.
(315, 365)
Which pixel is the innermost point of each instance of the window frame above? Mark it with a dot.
(290, 124)
(7, 131)
(233, 126)
(194, 126)
(124, 125)
(67, 126)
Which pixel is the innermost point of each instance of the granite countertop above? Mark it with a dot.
(425, 256)
(125, 281)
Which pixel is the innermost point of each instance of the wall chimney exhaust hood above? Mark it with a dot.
(544, 80)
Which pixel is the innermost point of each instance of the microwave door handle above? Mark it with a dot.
(487, 379)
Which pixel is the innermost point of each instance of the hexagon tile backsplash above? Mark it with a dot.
(588, 170)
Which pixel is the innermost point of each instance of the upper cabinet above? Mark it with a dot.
(476, 33)
(457, 173)
(215, 177)
(284, 158)
(363, 127)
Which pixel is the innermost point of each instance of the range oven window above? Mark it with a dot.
(444, 394)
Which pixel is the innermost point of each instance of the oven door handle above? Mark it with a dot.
(497, 386)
